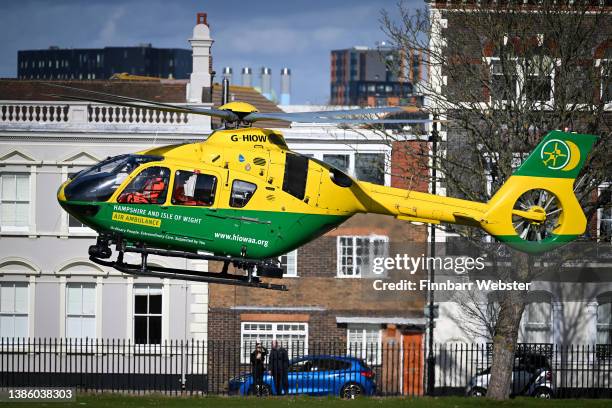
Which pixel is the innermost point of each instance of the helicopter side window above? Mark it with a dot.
(148, 187)
(242, 191)
(193, 189)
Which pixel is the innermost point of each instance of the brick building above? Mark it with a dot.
(331, 306)
(367, 77)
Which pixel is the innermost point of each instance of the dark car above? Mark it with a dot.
(531, 376)
(347, 377)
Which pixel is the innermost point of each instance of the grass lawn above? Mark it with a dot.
(117, 401)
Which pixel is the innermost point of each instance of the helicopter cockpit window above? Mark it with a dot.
(193, 189)
(242, 191)
(99, 182)
(148, 187)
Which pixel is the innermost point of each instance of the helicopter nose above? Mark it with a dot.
(61, 196)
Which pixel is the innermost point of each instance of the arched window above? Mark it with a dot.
(604, 318)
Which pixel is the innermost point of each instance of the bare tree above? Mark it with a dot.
(503, 74)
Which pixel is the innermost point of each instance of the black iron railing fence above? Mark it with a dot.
(223, 367)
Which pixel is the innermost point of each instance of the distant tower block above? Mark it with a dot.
(266, 82)
(285, 87)
(228, 73)
(247, 76)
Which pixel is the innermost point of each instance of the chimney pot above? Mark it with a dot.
(201, 19)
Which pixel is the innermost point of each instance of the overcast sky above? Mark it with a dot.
(298, 34)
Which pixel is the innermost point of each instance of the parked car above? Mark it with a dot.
(531, 376)
(347, 377)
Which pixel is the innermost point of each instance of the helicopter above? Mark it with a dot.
(243, 197)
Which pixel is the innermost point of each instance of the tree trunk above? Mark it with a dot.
(512, 304)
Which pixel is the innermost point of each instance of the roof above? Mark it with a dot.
(413, 321)
(170, 91)
(252, 96)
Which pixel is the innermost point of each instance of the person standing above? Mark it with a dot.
(279, 366)
(258, 358)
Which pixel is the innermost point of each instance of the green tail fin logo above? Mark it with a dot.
(559, 154)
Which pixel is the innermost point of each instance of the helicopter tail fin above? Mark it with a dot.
(536, 209)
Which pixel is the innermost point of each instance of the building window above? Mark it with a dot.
(81, 310)
(13, 310)
(538, 314)
(604, 318)
(147, 314)
(355, 254)
(339, 161)
(370, 167)
(504, 80)
(538, 79)
(364, 341)
(289, 264)
(14, 202)
(292, 336)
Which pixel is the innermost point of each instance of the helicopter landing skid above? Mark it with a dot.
(223, 277)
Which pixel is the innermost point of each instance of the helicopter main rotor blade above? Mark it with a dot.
(223, 114)
(304, 117)
(359, 111)
(118, 103)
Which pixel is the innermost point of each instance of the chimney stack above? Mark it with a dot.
(198, 90)
(228, 74)
(247, 76)
(266, 82)
(285, 87)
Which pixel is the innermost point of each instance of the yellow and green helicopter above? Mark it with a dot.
(243, 197)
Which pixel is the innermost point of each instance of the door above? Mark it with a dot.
(191, 218)
(413, 358)
(298, 377)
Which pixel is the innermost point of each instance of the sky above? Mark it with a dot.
(298, 34)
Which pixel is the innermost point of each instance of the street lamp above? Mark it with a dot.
(431, 359)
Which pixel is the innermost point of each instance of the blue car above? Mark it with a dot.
(347, 377)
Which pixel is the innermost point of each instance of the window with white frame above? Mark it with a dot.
(604, 318)
(14, 201)
(292, 336)
(147, 314)
(538, 318)
(339, 161)
(74, 225)
(13, 309)
(538, 78)
(504, 79)
(81, 310)
(370, 167)
(531, 78)
(288, 263)
(364, 341)
(356, 253)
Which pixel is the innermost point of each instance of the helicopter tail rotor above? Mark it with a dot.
(536, 209)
